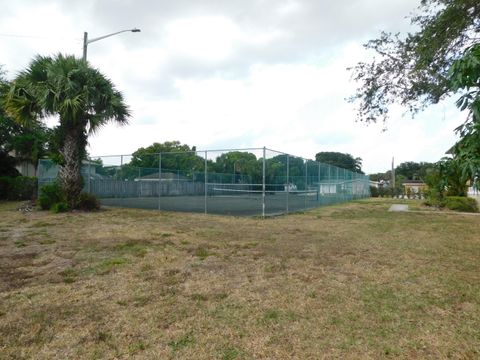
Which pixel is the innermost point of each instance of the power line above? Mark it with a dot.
(39, 37)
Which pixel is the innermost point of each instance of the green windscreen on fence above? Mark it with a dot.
(255, 181)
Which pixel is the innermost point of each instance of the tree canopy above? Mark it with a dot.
(440, 58)
(238, 163)
(446, 178)
(340, 160)
(7, 128)
(412, 70)
(28, 143)
(175, 156)
(232, 166)
(412, 170)
(465, 77)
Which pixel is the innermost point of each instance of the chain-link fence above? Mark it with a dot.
(256, 181)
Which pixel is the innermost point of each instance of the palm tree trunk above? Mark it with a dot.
(69, 175)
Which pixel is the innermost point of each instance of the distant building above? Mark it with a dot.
(47, 169)
(415, 186)
(473, 187)
(24, 167)
(380, 183)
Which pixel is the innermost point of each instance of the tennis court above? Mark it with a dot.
(251, 205)
(243, 182)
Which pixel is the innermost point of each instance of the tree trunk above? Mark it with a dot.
(69, 174)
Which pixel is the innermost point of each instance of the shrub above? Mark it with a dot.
(52, 198)
(461, 203)
(59, 207)
(5, 184)
(397, 192)
(374, 191)
(384, 191)
(87, 202)
(420, 194)
(434, 197)
(408, 192)
(18, 188)
(50, 194)
(24, 188)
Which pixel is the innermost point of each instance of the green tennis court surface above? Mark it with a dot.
(244, 205)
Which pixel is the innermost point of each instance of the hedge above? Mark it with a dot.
(18, 188)
(461, 203)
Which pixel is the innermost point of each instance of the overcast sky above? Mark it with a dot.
(233, 74)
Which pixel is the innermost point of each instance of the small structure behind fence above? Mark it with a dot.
(255, 181)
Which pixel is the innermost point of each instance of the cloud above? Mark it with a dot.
(220, 74)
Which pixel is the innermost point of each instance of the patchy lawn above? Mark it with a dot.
(346, 281)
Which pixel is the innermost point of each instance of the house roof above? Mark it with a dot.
(414, 182)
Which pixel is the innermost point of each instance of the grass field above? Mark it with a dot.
(345, 281)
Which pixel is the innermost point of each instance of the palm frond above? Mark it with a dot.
(68, 87)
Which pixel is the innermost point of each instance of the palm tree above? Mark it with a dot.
(83, 99)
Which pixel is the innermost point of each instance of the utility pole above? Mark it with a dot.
(393, 173)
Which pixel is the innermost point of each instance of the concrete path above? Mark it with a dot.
(398, 207)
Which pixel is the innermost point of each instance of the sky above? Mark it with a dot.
(219, 74)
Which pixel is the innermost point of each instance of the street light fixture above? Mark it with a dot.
(86, 41)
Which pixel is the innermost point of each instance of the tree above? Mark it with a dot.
(83, 99)
(7, 128)
(32, 143)
(340, 160)
(7, 162)
(465, 77)
(238, 163)
(7, 165)
(380, 176)
(455, 179)
(175, 156)
(276, 171)
(413, 70)
(412, 170)
(446, 178)
(27, 143)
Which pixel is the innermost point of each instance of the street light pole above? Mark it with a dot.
(86, 41)
(235, 168)
(234, 173)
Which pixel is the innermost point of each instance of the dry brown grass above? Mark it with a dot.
(347, 281)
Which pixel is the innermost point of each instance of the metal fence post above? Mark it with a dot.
(329, 182)
(348, 175)
(121, 176)
(329, 174)
(337, 187)
(288, 179)
(159, 181)
(354, 185)
(263, 182)
(306, 185)
(319, 175)
(206, 181)
(89, 172)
